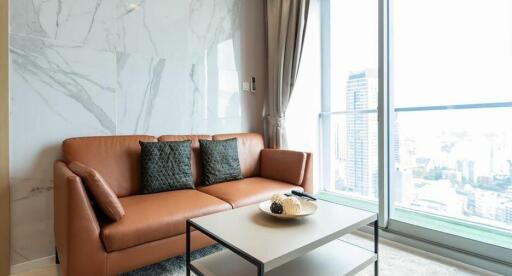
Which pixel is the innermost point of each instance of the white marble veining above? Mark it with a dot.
(154, 100)
(102, 67)
(57, 91)
(91, 23)
(132, 26)
(31, 219)
(143, 28)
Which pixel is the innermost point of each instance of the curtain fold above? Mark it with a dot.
(286, 28)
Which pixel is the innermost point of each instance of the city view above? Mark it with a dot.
(454, 162)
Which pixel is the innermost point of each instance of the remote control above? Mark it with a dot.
(301, 194)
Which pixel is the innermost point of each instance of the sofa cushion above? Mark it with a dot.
(249, 147)
(283, 165)
(116, 158)
(157, 216)
(98, 187)
(197, 167)
(220, 161)
(248, 190)
(166, 166)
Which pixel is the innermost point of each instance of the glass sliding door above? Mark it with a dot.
(450, 117)
(349, 109)
(416, 119)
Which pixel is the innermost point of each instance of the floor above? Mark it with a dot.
(398, 259)
(395, 259)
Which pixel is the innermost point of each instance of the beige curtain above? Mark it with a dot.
(286, 27)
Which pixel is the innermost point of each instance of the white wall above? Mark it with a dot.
(81, 68)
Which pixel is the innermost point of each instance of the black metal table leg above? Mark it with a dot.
(260, 270)
(376, 245)
(259, 265)
(57, 261)
(188, 248)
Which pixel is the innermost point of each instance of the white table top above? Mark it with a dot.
(275, 242)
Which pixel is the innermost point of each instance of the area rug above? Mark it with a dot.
(173, 266)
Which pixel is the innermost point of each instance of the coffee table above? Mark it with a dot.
(259, 244)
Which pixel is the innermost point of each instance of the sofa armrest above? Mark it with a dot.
(289, 166)
(307, 182)
(77, 231)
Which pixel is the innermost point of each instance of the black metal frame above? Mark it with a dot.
(259, 265)
(57, 260)
(376, 246)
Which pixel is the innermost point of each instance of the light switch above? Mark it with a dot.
(253, 84)
(246, 86)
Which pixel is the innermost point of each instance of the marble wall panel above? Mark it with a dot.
(105, 67)
(31, 219)
(155, 102)
(57, 91)
(92, 22)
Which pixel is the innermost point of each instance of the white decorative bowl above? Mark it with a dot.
(308, 208)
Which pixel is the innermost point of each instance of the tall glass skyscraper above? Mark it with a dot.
(360, 150)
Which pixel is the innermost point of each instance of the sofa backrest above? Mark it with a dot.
(116, 158)
(196, 154)
(249, 148)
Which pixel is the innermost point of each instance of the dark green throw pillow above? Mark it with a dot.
(220, 161)
(166, 166)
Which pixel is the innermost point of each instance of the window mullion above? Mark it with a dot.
(383, 114)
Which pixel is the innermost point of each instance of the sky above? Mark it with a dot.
(443, 52)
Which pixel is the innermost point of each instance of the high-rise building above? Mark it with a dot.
(467, 168)
(485, 203)
(361, 134)
(508, 213)
(504, 213)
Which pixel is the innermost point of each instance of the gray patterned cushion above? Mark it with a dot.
(166, 166)
(220, 161)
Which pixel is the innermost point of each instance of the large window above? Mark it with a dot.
(452, 90)
(442, 154)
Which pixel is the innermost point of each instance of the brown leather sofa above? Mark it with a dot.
(154, 224)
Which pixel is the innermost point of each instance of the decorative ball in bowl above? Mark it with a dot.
(288, 207)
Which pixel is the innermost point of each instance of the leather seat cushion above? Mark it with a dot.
(248, 191)
(152, 217)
